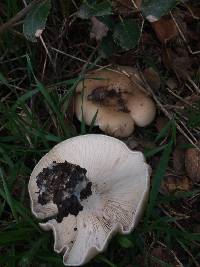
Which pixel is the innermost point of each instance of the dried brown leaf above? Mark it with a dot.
(161, 123)
(165, 29)
(126, 7)
(172, 183)
(152, 78)
(165, 255)
(180, 63)
(178, 160)
(192, 164)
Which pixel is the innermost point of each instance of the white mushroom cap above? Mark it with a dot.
(120, 100)
(120, 185)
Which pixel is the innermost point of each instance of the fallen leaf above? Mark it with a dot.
(127, 59)
(178, 160)
(35, 20)
(86, 10)
(138, 4)
(172, 183)
(161, 122)
(179, 62)
(171, 83)
(139, 261)
(153, 10)
(192, 164)
(126, 7)
(193, 99)
(152, 78)
(196, 228)
(165, 29)
(160, 256)
(99, 29)
(127, 34)
(192, 12)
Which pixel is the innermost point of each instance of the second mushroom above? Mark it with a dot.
(116, 99)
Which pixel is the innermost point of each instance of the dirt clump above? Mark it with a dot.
(65, 184)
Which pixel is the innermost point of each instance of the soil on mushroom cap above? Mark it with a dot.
(66, 185)
(108, 97)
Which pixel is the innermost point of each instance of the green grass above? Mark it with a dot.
(24, 141)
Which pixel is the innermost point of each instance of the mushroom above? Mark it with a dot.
(88, 188)
(118, 98)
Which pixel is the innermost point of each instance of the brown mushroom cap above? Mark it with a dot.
(120, 100)
(86, 109)
(110, 121)
(116, 123)
(142, 109)
(105, 78)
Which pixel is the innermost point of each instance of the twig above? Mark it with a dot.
(164, 110)
(179, 97)
(136, 7)
(193, 84)
(121, 2)
(173, 253)
(44, 66)
(191, 12)
(47, 51)
(24, 1)
(18, 16)
(86, 61)
(183, 37)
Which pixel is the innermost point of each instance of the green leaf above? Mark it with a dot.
(36, 19)
(125, 242)
(107, 47)
(108, 21)
(90, 9)
(157, 8)
(127, 33)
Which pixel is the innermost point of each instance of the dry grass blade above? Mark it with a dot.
(191, 138)
(183, 37)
